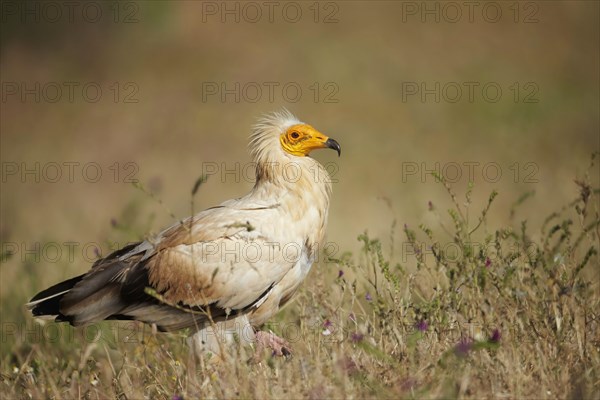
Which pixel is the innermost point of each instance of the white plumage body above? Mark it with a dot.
(227, 269)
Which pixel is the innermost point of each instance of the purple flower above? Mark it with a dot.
(422, 325)
(430, 205)
(463, 347)
(177, 397)
(357, 337)
(340, 273)
(327, 323)
(496, 335)
(488, 262)
(368, 297)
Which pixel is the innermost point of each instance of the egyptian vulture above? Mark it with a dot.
(229, 268)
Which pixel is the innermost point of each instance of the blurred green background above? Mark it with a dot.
(156, 119)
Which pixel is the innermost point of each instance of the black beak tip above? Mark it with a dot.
(332, 144)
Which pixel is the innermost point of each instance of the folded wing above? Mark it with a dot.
(216, 266)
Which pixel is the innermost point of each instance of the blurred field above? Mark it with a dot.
(157, 121)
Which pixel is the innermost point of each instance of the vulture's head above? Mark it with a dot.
(280, 137)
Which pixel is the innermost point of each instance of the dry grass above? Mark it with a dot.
(465, 311)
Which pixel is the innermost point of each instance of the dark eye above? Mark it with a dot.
(295, 135)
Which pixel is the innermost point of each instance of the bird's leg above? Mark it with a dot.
(279, 346)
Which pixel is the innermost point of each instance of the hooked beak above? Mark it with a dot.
(332, 144)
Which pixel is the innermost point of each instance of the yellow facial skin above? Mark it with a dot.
(299, 140)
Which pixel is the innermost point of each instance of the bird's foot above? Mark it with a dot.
(264, 340)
